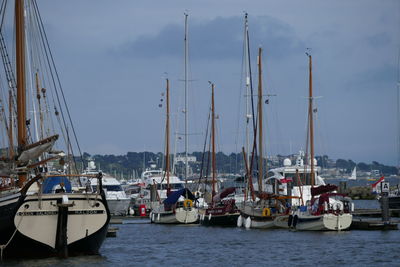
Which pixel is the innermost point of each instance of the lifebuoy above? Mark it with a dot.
(187, 203)
(266, 212)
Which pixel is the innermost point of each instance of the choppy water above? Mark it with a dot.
(139, 243)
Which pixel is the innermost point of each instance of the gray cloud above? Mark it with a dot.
(379, 40)
(220, 38)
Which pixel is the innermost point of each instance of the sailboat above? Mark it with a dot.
(219, 211)
(326, 210)
(178, 207)
(261, 213)
(353, 174)
(44, 210)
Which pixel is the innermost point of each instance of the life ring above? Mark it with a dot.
(188, 203)
(266, 212)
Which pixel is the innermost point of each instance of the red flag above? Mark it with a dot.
(377, 182)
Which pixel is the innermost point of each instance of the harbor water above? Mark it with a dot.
(139, 243)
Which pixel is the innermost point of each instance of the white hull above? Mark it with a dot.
(37, 218)
(181, 216)
(261, 224)
(118, 206)
(253, 218)
(325, 222)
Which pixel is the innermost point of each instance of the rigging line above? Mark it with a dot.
(59, 82)
(251, 94)
(3, 12)
(208, 161)
(239, 109)
(204, 149)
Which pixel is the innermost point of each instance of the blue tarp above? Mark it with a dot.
(51, 182)
(173, 198)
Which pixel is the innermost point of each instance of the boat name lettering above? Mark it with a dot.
(86, 212)
(37, 213)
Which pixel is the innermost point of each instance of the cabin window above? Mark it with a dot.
(113, 187)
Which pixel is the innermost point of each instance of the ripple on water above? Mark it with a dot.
(167, 245)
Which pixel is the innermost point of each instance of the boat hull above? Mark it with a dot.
(179, 216)
(227, 219)
(253, 217)
(325, 222)
(34, 231)
(394, 202)
(118, 206)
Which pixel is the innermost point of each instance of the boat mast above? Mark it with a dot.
(10, 127)
(398, 113)
(260, 119)
(248, 92)
(20, 65)
(310, 118)
(213, 142)
(167, 142)
(186, 99)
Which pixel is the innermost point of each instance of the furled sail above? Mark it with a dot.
(33, 151)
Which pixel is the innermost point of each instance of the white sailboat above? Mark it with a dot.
(178, 207)
(353, 174)
(326, 210)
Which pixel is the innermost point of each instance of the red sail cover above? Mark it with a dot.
(223, 194)
(323, 189)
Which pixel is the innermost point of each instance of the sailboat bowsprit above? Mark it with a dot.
(45, 210)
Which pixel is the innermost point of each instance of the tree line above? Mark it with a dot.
(134, 163)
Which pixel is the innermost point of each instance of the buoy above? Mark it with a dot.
(247, 223)
(240, 221)
(131, 211)
(142, 210)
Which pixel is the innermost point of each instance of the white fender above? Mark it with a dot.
(240, 221)
(209, 217)
(325, 206)
(152, 216)
(158, 217)
(352, 207)
(131, 211)
(247, 223)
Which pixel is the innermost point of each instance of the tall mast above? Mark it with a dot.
(260, 127)
(213, 141)
(167, 142)
(11, 125)
(247, 74)
(20, 65)
(186, 99)
(398, 112)
(311, 122)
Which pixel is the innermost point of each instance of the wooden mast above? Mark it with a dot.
(10, 127)
(213, 142)
(20, 65)
(167, 168)
(260, 127)
(310, 118)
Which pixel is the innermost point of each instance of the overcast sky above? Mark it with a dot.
(113, 55)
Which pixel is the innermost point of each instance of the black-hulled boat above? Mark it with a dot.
(42, 213)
